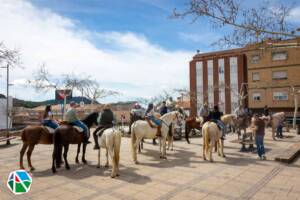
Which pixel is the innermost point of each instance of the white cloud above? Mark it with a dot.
(295, 15)
(44, 36)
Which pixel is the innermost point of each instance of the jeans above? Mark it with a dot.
(222, 126)
(50, 123)
(156, 121)
(279, 131)
(259, 139)
(83, 126)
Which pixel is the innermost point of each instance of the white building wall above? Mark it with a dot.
(221, 71)
(233, 83)
(210, 85)
(199, 84)
(3, 113)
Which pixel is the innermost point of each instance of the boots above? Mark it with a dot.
(96, 141)
(158, 134)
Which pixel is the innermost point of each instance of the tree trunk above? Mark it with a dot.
(296, 110)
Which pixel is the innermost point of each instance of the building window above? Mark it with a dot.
(255, 76)
(279, 75)
(280, 96)
(255, 59)
(279, 55)
(256, 96)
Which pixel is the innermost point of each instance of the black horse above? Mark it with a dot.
(65, 135)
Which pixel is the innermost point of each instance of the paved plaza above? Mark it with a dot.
(184, 175)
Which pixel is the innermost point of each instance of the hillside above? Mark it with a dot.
(32, 104)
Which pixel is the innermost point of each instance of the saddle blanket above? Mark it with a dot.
(51, 130)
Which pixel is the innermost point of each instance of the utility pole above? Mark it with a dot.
(7, 104)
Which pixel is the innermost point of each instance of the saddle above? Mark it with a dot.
(79, 129)
(49, 129)
(151, 124)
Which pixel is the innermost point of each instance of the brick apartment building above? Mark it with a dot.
(263, 71)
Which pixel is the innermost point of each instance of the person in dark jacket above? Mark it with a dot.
(163, 109)
(258, 126)
(266, 111)
(106, 121)
(215, 116)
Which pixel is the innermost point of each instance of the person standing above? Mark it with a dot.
(71, 118)
(279, 129)
(258, 126)
(106, 121)
(266, 110)
(48, 118)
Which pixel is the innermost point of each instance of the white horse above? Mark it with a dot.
(211, 136)
(111, 141)
(141, 129)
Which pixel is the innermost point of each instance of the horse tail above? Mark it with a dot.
(57, 146)
(117, 146)
(133, 139)
(23, 135)
(170, 132)
(206, 138)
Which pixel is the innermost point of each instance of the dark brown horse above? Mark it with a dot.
(66, 135)
(33, 135)
(190, 124)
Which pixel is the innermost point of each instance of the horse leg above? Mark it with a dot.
(203, 147)
(107, 162)
(29, 152)
(222, 149)
(99, 153)
(112, 157)
(54, 158)
(78, 151)
(273, 132)
(22, 152)
(66, 149)
(212, 144)
(83, 154)
(187, 131)
(218, 147)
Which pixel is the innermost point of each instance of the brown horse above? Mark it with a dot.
(33, 135)
(192, 123)
(66, 135)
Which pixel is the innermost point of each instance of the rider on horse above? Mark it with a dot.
(71, 118)
(106, 121)
(204, 112)
(150, 116)
(163, 109)
(215, 116)
(48, 118)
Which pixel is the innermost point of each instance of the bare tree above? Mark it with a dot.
(9, 57)
(93, 91)
(249, 24)
(44, 81)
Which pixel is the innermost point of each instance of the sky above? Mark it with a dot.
(130, 46)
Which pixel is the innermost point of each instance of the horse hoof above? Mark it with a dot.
(224, 156)
(53, 170)
(68, 167)
(136, 162)
(22, 167)
(77, 161)
(118, 174)
(113, 176)
(58, 166)
(32, 169)
(211, 161)
(84, 162)
(98, 166)
(106, 166)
